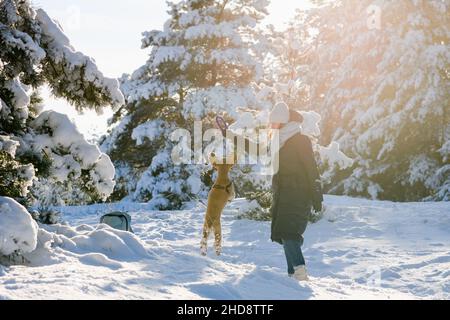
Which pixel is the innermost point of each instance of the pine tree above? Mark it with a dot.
(383, 92)
(43, 150)
(201, 65)
(286, 63)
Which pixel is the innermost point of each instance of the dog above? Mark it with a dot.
(221, 192)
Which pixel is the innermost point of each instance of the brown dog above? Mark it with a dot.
(221, 192)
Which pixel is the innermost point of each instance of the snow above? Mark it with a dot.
(23, 41)
(8, 145)
(210, 30)
(149, 130)
(166, 54)
(245, 121)
(238, 56)
(102, 177)
(81, 155)
(334, 157)
(361, 249)
(18, 231)
(310, 124)
(28, 175)
(445, 151)
(109, 141)
(195, 184)
(21, 96)
(219, 99)
(421, 168)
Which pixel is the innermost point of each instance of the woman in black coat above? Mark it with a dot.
(296, 187)
(296, 190)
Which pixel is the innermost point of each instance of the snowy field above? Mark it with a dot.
(361, 249)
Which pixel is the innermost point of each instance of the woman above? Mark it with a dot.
(296, 188)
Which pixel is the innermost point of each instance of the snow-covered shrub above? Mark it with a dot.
(76, 164)
(43, 150)
(100, 246)
(258, 207)
(18, 230)
(45, 214)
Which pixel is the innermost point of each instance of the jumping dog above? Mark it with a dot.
(221, 192)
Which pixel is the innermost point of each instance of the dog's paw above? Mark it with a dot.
(203, 247)
(218, 245)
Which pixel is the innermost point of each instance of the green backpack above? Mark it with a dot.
(117, 220)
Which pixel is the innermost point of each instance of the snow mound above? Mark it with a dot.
(18, 230)
(99, 246)
(113, 243)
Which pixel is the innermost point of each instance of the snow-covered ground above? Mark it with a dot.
(361, 249)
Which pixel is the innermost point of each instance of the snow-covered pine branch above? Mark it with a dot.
(44, 149)
(71, 74)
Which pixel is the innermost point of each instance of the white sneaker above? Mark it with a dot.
(300, 273)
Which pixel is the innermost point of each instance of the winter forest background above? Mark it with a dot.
(376, 72)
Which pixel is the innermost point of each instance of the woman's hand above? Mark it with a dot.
(318, 207)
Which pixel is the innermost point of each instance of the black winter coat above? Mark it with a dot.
(296, 188)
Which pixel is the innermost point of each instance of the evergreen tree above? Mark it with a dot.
(201, 65)
(286, 63)
(379, 76)
(43, 150)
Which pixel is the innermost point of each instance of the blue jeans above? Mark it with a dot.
(294, 255)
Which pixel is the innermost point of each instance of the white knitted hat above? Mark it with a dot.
(279, 113)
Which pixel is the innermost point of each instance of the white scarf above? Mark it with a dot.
(282, 135)
(285, 133)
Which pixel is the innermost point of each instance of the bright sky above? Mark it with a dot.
(110, 32)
